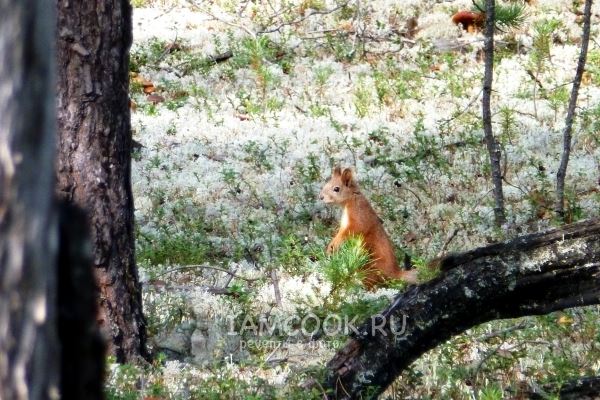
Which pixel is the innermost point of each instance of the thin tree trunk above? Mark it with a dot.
(531, 275)
(492, 144)
(29, 366)
(94, 161)
(564, 161)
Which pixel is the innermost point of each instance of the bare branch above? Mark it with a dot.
(186, 267)
(305, 17)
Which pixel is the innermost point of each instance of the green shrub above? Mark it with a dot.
(343, 268)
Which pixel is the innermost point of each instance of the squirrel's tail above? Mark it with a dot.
(408, 276)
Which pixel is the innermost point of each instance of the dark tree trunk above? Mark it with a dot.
(492, 144)
(94, 162)
(564, 161)
(581, 389)
(534, 274)
(82, 351)
(28, 234)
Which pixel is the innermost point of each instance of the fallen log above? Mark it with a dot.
(530, 275)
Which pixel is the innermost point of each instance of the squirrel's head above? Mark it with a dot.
(340, 188)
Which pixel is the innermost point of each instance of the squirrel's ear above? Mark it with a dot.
(337, 171)
(348, 177)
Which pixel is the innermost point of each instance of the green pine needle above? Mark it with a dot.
(343, 268)
(507, 15)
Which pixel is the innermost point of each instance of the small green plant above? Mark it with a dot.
(139, 3)
(491, 392)
(573, 211)
(294, 254)
(590, 122)
(508, 122)
(135, 85)
(240, 292)
(256, 154)
(456, 85)
(558, 99)
(407, 83)
(231, 178)
(171, 129)
(192, 62)
(382, 88)
(363, 98)
(362, 309)
(511, 15)
(318, 110)
(344, 267)
(136, 155)
(425, 270)
(123, 383)
(341, 47)
(147, 54)
(542, 42)
(227, 386)
(259, 102)
(202, 99)
(176, 95)
(257, 54)
(164, 310)
(593, 65)
(540, 53)
(318, 5)
(181, 248)
(322, 75)
(148, 108)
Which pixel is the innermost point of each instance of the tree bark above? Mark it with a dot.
(531, 275)
(94, 161)
(564, 161)
(492, 144)
(28, 231)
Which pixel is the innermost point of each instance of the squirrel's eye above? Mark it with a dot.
(336, 189)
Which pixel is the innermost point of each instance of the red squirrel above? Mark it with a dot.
(359, 218)
(471, 21)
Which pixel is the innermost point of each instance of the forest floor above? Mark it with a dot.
(240, 110)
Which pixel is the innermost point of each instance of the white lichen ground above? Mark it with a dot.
(233, 159)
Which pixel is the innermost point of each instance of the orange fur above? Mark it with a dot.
(471, 21)
(359, 218)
